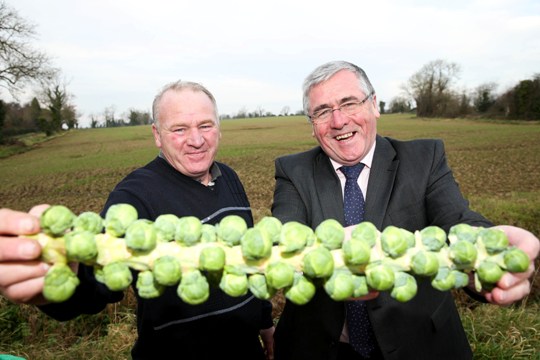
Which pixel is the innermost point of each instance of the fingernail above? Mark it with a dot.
(28, 250)
(28, 226)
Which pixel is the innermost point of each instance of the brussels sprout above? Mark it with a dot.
(117, 276)
(141, 235)
(279, 275)
(405, 287)
(340, 285)
(272, 226)
(234, 283)
(212, 258)
(425, 263)
(461, 279)
(295, 236)
(494, 240)
(516, 260)
(166, 225)
(444, 280)
(56, 219)
(330, 233)
(394, 241)
(88, 221)
(81, 246)
(433, 238)
(147, 286)
(60, 283)
(463, 254)
(231, 229)
(256, 244)
(489, 272)
(380, 277)
(193, 288)
(360, 287)
(259, 287)
(208, 233)
(301, 291)
(167, 270)
(188, 230)
(318, 263)
(356, 251)
(464, 232)
(118, 218)
(366, 232)
(409, 238)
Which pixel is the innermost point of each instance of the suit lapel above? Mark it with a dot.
(328, 189)
(381, 181)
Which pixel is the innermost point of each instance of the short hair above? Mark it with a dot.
(179, 86)
(326, 71)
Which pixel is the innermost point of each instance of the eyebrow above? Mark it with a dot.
(342, 101)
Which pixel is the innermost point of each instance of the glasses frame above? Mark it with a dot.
(315, 120)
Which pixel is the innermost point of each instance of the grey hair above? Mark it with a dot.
(179, 86)
(326, 71)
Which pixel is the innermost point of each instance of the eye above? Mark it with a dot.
(348, 106)
(206, 126)
(322, 113)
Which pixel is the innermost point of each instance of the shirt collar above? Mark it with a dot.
(367, 160)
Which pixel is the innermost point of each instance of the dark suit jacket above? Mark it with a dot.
(410, 186)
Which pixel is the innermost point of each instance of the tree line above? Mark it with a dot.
(430, 92)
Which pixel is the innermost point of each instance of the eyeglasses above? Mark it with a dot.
(348, 108)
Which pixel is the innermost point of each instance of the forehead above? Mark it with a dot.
(342, 84)
(186, 104)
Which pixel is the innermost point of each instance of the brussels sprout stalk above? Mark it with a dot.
(270, 256)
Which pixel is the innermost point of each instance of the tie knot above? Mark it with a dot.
(352, 172)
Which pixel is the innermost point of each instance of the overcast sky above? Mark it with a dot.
(255, 54)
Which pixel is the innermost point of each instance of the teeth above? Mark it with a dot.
(344, 136)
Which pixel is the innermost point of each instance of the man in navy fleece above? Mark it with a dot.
(185, 180)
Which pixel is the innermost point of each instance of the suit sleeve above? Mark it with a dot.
(288, 204)
(446, 205)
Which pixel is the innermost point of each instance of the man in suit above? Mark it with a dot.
(407, 184)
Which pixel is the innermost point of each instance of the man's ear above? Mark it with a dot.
(157, 138)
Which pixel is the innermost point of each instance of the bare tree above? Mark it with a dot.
(430, 87)
(20, 64)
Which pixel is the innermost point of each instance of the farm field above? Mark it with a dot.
(496, 164)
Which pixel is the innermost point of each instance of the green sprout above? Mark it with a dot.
(88, 221)
(188, 230)
(231, 229)
(330, 233)
(118, 217)
(295, 236)
(60, 283)
(256, 244)
(55, 220)
(167, 270)
(301, 291)
(81, 246)
(166, 225)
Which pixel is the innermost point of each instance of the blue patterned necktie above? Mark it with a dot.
(361, 336)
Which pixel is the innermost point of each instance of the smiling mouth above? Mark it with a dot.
(344, 136)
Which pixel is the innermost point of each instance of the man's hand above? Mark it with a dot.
(21, 272)
(514, 287)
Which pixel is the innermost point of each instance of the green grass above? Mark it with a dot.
(495, 163)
